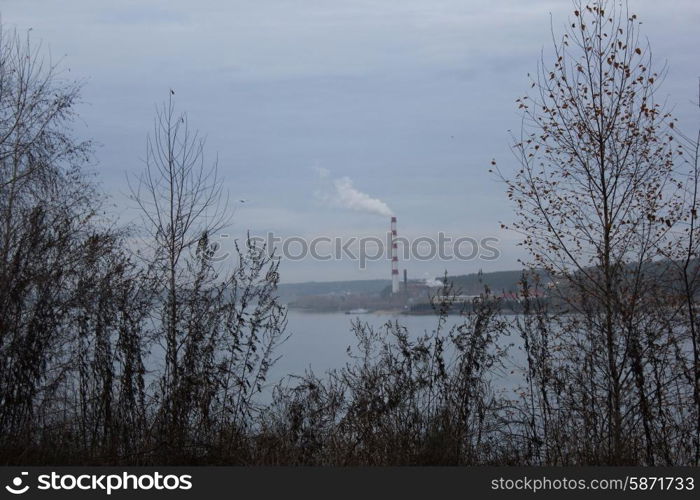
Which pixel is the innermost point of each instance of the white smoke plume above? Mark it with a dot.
(342, 193)
(433, 283)
(348, 197)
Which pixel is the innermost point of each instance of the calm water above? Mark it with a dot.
(319, 341)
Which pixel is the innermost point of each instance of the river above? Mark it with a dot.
(319, 341)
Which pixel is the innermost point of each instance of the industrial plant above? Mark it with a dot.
(398, 294)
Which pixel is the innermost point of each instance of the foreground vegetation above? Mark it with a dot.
(141, 347)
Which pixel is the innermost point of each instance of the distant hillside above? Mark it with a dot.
(292, 291)
(470, 284)
(373, 294)
(507, 281)
(501, 281)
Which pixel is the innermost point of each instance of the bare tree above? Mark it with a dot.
(686, 266)
(219, 332)
(70, 311)
(597, 198)
(181, 201)
(41, 189)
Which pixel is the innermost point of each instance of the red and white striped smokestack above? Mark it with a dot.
(394, 259)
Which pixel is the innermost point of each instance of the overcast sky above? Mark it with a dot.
(409, 99)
